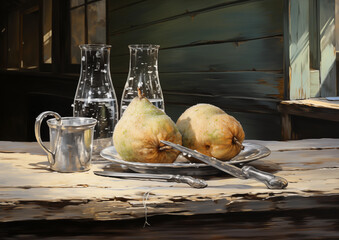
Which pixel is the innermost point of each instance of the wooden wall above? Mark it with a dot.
(327, 48)
(225, 52)
(310, 55)
(297, 49)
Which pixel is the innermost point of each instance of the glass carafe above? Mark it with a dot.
(143, 74)
(95, 96)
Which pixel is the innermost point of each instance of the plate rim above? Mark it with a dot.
(265, 151)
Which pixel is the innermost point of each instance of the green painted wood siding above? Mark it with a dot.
(327, 48)
(297, 49)
(310, 55)
(225, 52)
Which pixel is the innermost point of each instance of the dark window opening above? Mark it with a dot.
(44, 35)
(87, 25)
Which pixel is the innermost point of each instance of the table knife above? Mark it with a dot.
(193, 182)
(246, 172)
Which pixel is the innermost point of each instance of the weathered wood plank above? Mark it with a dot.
(313, 108)
(261, 55)
(303, 144)
(249, 84)
(237, 23)
(300, 76)
(314, 83)
(151, 12)
(296, 36)
(314, 222)
(236, 84)
(291, 159)
(286, 127)
(327, 48)
(237, 104)
(115, 5)
(254, 105)
(229, 103)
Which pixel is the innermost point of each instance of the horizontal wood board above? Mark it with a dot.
(216, 84)
(312, 108)
(150, 11)
(246, 21)
(258, 55)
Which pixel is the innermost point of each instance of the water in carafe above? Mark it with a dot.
(103, 110)
(159, 103)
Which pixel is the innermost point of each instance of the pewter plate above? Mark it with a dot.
(182, 166)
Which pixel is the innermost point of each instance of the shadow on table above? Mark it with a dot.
(41, 166)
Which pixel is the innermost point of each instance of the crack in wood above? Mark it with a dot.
(186, 13)
(310, 148)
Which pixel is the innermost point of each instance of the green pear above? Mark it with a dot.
(211, 131)
(138, 133)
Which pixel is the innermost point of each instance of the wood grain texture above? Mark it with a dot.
(314, 83)
(261, 55)
(244, 21)
(114, 5)
(232, 84)
(137, 13)
(317, 222)
(29, 191)
(286, 127)
(313, 108)
(296, 38)
(327, 48)
(254, 105)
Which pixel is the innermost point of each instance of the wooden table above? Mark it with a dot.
(38, 203)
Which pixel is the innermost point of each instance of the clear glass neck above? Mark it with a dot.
(143, 58)
(143, 74)
(95, 62)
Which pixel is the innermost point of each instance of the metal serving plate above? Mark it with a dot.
(182, 166)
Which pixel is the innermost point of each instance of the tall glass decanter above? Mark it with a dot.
(95, 96)
(143, 74)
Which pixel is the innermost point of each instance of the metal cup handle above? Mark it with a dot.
(37, 126)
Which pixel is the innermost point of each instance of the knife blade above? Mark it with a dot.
(193, 182)
(228, 168)
(246, 172)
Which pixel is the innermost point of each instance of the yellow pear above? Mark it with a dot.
(211, 131)
(138, 133)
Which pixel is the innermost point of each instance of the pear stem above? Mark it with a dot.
(164, 148)
(140, 95)
(236, 141)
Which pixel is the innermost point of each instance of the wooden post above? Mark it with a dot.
(286, 132)
(326, 31)
(296, 49)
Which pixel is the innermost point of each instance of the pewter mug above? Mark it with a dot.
(71, 141)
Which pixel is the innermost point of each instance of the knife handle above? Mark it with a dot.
(270, 180)
(193, 182)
